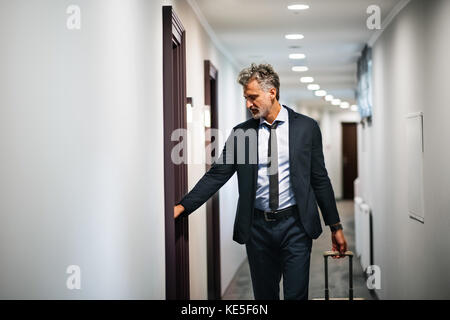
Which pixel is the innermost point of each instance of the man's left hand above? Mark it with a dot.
(339, 243)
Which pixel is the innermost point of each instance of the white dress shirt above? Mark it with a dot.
(286, 195)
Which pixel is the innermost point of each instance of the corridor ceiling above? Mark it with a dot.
(335, 32)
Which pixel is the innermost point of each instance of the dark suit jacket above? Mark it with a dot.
(308, 176)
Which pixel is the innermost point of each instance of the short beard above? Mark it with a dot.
(260, 114)
(256, 116)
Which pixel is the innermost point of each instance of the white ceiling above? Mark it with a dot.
(335, 33)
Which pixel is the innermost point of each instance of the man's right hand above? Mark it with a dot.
(177, 210)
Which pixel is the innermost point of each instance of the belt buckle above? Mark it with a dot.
(267, 218)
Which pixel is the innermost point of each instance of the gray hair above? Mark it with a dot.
(264, 74)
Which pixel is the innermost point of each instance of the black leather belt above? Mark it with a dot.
(275, 215)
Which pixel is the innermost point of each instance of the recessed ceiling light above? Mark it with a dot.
(295, 36)
(335, 102)
(297, 56)
(345, 105)
(320, 93)
(329, 97)
(354, 107)
(306, 79)
(298, 7)
(313, 87)
(299, 68)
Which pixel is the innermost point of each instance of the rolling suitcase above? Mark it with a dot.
(348, 254)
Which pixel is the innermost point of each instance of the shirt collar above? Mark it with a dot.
(282, 117)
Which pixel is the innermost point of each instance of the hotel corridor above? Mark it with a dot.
(111, 112)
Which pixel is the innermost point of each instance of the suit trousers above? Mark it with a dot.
(275, 249)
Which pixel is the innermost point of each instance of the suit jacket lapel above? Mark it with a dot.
(293, 134)
(255, 126)
(296, 136)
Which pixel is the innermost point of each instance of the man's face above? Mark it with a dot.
(258, 101)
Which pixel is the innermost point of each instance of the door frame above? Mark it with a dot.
(175, 176)
(343, 125)
(212, 207)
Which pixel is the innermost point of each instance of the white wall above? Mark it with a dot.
(331, 127)
(81, 134)
(232, 110)
(411, 69)
(82, 155)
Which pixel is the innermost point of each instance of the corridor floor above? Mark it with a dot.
(240, 287)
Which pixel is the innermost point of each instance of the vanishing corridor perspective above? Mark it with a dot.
(106, 116)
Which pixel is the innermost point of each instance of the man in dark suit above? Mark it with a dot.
(282, 177)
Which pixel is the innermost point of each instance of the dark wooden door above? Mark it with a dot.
(212, 205)
(349, 158)
(175, 175)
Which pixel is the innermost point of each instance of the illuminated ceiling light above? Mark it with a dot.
(345, 105)
(298, 7)
(335, 102)
(297, 56)
(299, 68)
(313, 87)
(306, 79)
(295, 36)
(320, 93)
(329, 97)
(354, 107)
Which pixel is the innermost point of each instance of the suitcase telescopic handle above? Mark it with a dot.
(348, 254)
(337, 253)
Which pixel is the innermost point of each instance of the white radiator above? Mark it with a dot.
(364, 235)
(357, 188)
(358, 226)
